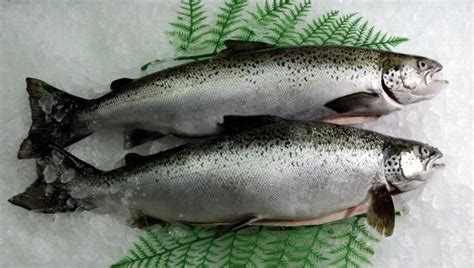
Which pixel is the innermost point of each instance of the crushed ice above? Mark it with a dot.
(50, 173)
(57, 158)
(46, 102)
(67, 175)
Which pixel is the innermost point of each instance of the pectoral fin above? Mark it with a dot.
(381, 212)
(353, 102)
(138, 136)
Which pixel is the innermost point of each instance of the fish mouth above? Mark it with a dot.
(433, 164)
(434, 85)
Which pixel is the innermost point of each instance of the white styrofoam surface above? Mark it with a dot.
(81, 46)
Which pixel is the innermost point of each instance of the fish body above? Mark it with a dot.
(292, 83)
(285, 171)
(297, 83)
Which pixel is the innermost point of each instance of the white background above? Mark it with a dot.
(81, 46)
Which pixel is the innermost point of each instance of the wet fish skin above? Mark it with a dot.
(191, 100)
(285, 171)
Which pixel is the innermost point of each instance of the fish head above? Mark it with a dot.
(408, 164)
(409, 79)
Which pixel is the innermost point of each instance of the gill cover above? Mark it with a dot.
(407, 164)
(409, 79)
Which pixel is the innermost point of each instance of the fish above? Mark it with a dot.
(282, 173)
(334, 84)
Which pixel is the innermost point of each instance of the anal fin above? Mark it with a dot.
(381, 212)
(135, 137)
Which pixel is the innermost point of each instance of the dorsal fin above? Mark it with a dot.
(237, 46)
(120, 83)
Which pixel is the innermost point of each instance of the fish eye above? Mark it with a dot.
(424, 152)
(422, 65)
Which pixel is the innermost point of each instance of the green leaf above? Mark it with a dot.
(189, 26)
(343, 243)
(269, 13)
(314, 32)
(354, 248)
(261, 17)
(226, 25)
(275, 21)
(284, 33)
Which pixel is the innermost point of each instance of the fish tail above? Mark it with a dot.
(53, 114)
(51, 191)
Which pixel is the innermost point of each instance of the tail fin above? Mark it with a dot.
(51, 195)
(53, 119)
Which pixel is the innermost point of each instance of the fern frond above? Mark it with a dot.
(249, 247)
(312, 33)
(269, 13)
(349, 33)
(189, 26)
(354, 249)
(227, 23)
(284, 32)
(337, 29)
(262, 17)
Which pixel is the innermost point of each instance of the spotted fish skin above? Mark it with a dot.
(284, 171)
(292, 83)
(334, 84)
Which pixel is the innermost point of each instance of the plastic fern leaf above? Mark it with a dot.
(284, 33)
(337, 29)
(270, 12)
(226, 24)
(354, 249)
(189, 26)
(262, 17)
(314, 31)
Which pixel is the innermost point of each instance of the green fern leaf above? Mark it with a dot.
(284, 33)
(227, 23)
(313, 32)
(269, 13)
(337, 29)
(262, 17)
(179, 245)
(354, 249)
(189, 26)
